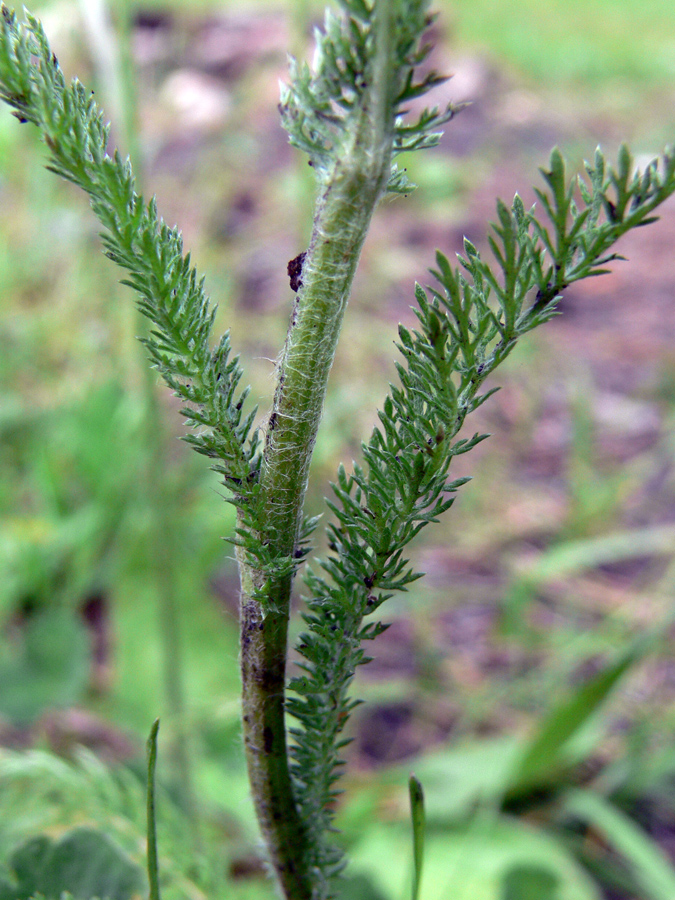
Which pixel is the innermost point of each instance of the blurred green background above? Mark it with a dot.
(119, 597)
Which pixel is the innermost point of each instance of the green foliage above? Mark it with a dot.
(479, 861)
(493, 806)
(320, 105)
(67, 796)
(555, 45)
(49, 667)
(347, 114)
(83, 863)
(467, 329)
(76, 500)
(544, 757)
(650, 870)
(137, 239)
(529, 883)
(77, 531)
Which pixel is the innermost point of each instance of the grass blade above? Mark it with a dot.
(418, 823)
(572, 557)
(651, 869)
(153, 866)
(542, 755)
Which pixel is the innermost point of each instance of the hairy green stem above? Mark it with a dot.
(344, 211)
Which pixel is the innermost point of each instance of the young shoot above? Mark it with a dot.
(348, 113)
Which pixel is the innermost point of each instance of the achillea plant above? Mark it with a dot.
(348, 113)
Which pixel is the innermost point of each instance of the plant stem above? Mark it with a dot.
(344, 211)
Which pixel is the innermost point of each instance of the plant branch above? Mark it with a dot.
(344, 210)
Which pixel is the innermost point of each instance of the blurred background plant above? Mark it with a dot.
(497, 681)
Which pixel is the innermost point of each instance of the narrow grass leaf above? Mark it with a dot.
(651, 869)
(153, 866)
(542, 756)
(418, 824)
(575, 556)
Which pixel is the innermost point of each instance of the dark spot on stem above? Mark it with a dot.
(294, 270)
(268, 739)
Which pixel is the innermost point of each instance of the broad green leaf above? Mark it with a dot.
(87, 864)
(7, 890)
(530, 883)
(27, 862)
(649, 865)
(83, 863)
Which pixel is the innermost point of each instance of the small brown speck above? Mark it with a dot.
(294, 270)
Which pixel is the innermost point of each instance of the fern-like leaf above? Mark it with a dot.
(319, 104)
(467, 326)
(135, 237)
